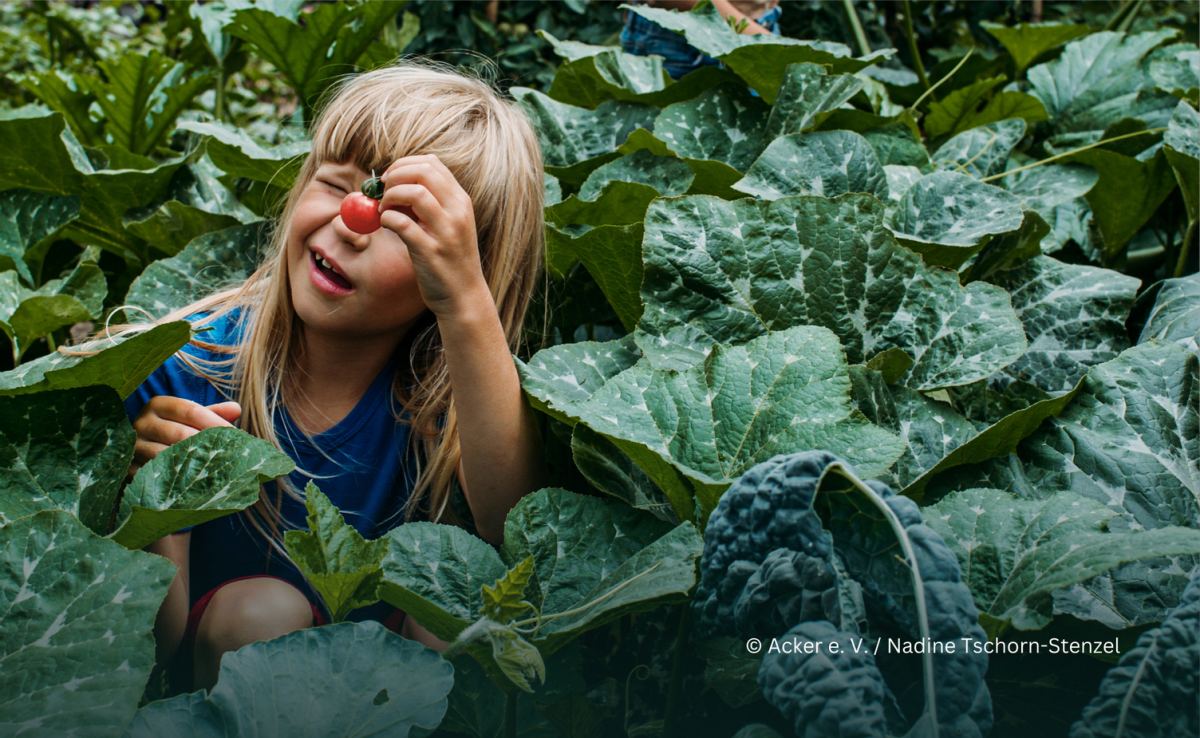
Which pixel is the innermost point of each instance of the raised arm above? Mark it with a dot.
(502, 457)
(724, 7)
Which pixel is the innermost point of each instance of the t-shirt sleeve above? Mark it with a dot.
(173, 379)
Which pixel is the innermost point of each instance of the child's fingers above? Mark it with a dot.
(143, 452)
(416, 238)
(415, 196)
(228, 411)
(186, 412)
(431, 173)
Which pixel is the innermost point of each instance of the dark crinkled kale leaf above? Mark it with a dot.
(858, 560)
(1152, 691)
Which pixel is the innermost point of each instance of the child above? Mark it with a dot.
(381, 363)
(643, 37)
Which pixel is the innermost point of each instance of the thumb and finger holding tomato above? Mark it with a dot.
(361, 211)
(438, 225)
(166, 420)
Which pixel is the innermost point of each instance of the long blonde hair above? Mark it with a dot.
(372, 119)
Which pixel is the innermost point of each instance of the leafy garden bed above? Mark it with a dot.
(827, 353)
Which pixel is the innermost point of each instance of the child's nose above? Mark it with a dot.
(355, 239)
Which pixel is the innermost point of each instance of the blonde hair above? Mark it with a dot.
(411, 107)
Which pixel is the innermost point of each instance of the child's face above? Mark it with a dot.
(378, 296)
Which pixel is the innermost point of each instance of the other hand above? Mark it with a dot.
(426, 206)
(166, 420)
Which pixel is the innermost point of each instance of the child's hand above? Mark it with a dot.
(166, 420)
(442, 239)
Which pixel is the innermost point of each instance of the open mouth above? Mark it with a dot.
(327, 271)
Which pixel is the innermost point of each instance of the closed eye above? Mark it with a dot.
(330, 184)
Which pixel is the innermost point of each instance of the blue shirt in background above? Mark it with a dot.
(369, 477)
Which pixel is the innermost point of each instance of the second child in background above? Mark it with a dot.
(645, 38)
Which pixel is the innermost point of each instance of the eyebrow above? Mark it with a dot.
(337, 171)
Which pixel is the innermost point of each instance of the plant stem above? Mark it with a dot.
(912, 48)
(219, 110)
(1181, 264)
(510, 714)
(1127, 21)
(1123, 18)
(943, 80)
(1002, 175)
(864, 47)
(50, 342)
(675, 690)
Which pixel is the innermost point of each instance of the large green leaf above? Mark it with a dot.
(594, 560)
(64, 450)
(1027, 41)
(575, 141)
(667, 175)
(1101, 80)
(807, 96)
(947, 217)
(1090, 62)
(612, 472)
(1130, 441)
(1126, 196)
(50, 160)
(1014, 553)
(26, 315)
(347, 679)
(711, 177)
(783, 392)
(26, 219)
(761, 60)
(205, 476)
(723, 124)
(141, 96)
(1175, 317)
(895, 143)
(560, 379)
(196, 203)
(436, 573)
(208, 264)
(122, 362)
(613, 256)
(929, 429)
(76, 646)
(827, 163)
(981, 152)
(592, 75)
(975, 105)
(727, 272)
(234, 152)
(312, 56)
(334, 557)
(1074, 318)
(936, 436)
(1182, 149)
(61, 92)
(1044, 188)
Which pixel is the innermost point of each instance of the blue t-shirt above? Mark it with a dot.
(369, 479)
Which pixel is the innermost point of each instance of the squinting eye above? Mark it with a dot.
(330, 184)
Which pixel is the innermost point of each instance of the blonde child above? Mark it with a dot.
(381, 363)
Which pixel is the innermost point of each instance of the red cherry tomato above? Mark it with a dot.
(360, 213)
